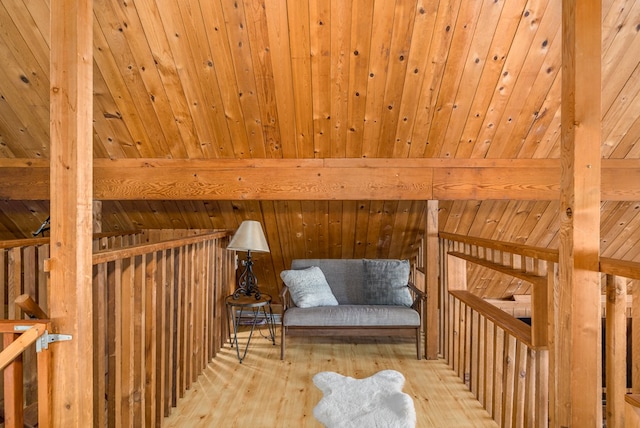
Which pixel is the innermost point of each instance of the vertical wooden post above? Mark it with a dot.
(71, 172)
(579, 381)
(13, 388)
(432, 267)
(616, 350)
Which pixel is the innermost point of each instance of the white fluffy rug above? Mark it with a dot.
(376, 401)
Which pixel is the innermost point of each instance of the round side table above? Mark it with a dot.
(254, 309)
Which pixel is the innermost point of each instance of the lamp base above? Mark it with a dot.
(247, 283)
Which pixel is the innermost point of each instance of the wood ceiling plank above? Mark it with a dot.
(35, 41)
(165, 67)
(262, 64)
(126, 105)
(417, 67)
(534, 144)
(131, 72)
(403, 21)
(211, 132)
(528, 26)
(512, 14)
(115, 139)
(299, 41)
(477, 57)
(437, 58)
(383, 12)
(628, 148)
(621, 117)
(446, 102)
(615, 216)
(14, 136)
(142, 63)
(279, 48)
(341, 20)
(195, 48)
(245, 69)
(320, 22)
(621, 58)
(361, 29)
(530, 89)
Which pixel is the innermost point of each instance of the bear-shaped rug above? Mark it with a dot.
(376, 401)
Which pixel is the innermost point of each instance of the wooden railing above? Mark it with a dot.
(17, 337)
(507, 363)
(158, 316)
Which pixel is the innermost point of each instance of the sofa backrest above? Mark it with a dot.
(345, 277)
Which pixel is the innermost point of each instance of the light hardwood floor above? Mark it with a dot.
(266, 392)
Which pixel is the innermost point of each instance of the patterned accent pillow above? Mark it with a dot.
(308, 287)
(386, 282)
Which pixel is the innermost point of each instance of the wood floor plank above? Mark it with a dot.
(267, 392)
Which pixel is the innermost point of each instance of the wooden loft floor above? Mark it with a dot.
(267, 392)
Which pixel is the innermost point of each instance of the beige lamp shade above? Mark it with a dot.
(249, 237)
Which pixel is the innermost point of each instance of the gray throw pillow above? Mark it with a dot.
(308, 287)
(386, 282)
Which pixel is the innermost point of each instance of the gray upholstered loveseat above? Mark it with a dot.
(350, 297)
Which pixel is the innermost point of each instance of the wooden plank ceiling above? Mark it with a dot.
(291, 79)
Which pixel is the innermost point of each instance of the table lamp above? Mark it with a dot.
(249, 237)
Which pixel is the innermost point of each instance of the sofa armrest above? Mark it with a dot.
(285, 298)
(418, 297)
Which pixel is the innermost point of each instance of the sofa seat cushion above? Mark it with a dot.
(351, 316)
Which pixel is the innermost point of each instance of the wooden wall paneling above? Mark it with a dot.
(322, 220)
(362, 23)
(279, 48)
(504, 87)
(400, 223)
(240, 52)
(361, 224)
(399, 47)
(437, 57)
(335, 229)
(376, 83)
(299, 40)
(320, 23)
(309, 230)
(385, 230)
(506, 27)
(349, 229)
(274, 264)
(463, 28)
(374, 220)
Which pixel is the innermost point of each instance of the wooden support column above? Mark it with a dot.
(432, 267)
(579, 312)
(70, 264)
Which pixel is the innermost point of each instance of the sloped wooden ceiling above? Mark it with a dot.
(292, 79)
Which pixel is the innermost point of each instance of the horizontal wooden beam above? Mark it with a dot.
(320, 179)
